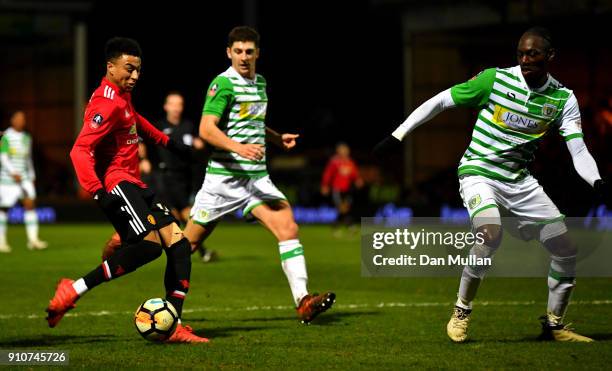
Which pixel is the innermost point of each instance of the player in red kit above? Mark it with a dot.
(340, 177)
(105, 158)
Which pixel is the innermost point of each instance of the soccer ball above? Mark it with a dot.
(156, 319)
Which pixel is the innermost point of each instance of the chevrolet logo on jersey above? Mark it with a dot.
(513, 120)
(133, 129)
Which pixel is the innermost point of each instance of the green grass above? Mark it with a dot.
(243, 304)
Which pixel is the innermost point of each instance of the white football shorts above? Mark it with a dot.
(223, 194)
(11, 193)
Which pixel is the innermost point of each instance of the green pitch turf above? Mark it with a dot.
(243, 304)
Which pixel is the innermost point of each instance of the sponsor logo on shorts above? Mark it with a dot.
(151, 219)
(202, 214)
(474, 201)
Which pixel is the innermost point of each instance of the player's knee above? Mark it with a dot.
(28, 204)
(561, 248)
(153, 236)
(491, 235)
(288, 231)
(556, 240)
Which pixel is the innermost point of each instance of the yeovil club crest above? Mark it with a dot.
(202, 214)
(474, 201)
(549, 110)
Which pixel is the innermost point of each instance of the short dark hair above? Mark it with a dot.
(118, 46)
(243, 33)
(174, 92)
(542, 32)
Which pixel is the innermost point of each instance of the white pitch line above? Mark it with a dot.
(337, 306)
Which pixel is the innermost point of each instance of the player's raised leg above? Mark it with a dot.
(277, 217)
(123, 261)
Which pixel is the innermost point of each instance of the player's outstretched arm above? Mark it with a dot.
(150, 132)
(210, 132)
(285, 141)
(154, 134)
(425, 112)
(570, 129)
(586, 167)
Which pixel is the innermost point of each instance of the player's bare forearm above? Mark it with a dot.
(210, 132)
(274, 137)
(285, 141)
(213, 135)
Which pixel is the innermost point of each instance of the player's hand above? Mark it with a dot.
(603, 191)
(108, 202)
(253, 152)
(145, 166)
(289, 141)
(198, 143)
(183, 151)
(16, 178)
(386, 146)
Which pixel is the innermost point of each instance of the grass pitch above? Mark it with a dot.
(243, 304)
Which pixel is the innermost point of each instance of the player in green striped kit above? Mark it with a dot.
(518, 105)
(17, 181)
(237, 177)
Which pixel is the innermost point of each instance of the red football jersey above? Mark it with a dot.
(106, 150)
(340, 173)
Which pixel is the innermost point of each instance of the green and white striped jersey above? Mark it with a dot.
(241, 105)
(15, 156)
(512, 119)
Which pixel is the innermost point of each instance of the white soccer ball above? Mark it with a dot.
(156, 319)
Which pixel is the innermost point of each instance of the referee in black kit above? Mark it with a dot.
(177, 179)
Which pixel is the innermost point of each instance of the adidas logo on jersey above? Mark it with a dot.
(109, 92)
